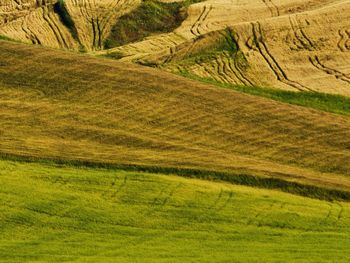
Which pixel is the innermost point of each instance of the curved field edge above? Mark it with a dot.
(51, 213)
(320, 101)
(5, 38)
(306, 190)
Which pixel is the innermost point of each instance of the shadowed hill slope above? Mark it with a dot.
(59, 105)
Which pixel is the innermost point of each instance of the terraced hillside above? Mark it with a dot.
(63, 106)
(55, 214)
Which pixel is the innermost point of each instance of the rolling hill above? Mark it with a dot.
(55, 214)
(291, 45)
(174, 130)
(307, 51)
(64, 106)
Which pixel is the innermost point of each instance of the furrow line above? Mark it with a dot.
(344, 39)
(271, 61)
(54, 29)
(316, 62)
(300, 35)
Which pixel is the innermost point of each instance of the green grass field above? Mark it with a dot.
(56, 213)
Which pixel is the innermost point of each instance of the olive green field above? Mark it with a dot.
(55, 213)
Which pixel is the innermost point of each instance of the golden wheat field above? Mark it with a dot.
(305, 51)
(65, 106)
(292, 45)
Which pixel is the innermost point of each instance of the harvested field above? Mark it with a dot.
(43, 22)
(292, 45)
(301, 52)
(57, 105)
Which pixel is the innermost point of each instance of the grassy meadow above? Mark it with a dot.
(52, 213)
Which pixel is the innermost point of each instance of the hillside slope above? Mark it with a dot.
(308, 51)
(292, 45)
(60, 105)
(62, 23)
(55, 214)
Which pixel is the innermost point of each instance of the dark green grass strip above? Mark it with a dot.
(8, 39)
(151, 17)
(305, 190)
(321, 101)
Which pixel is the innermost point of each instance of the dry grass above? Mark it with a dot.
(95, 19)
(300, 52)
(213, 15)
(66, 106)
(38, 23)
(293, 45)
(29, 22)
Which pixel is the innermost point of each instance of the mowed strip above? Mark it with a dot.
(61, 105)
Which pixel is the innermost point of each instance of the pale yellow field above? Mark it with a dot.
(293, 45)
(39, 24)
(32, 23)
(308, 51)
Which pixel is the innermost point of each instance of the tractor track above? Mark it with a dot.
(272, 7)
(29, 34)
(344, 42)
(238, 72)
(335, 211)
(271, 61)
(121, 187)
(55, 29)
(202, 17)
(300, 35)
(226, 202)
(222, 69)
(316, 62)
